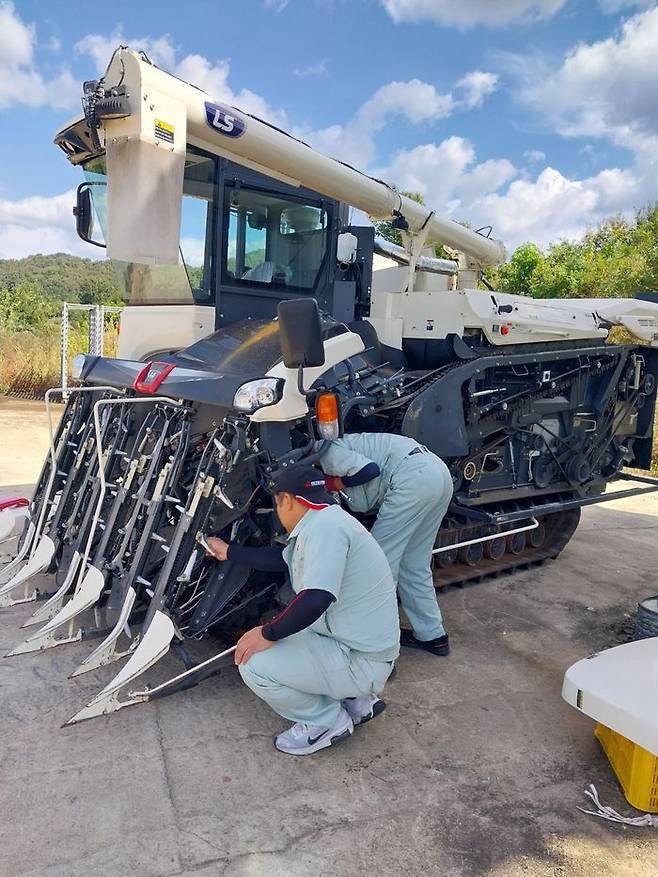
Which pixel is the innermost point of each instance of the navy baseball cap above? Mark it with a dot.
(306, 483)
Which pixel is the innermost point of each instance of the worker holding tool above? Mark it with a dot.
(410, 489)
(324, 660)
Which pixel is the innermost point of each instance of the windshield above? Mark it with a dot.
(190, 281)
(273, 241)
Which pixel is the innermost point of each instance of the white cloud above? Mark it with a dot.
(603, 89)
(418, 101)
(476, 86)
(18, 39)
(469, 13)
(100, 48)
(534, 155)
(20, 80)
(318, 69)
(41, 225)
(276, 5)
(50, 211)
(355, 141)
(553, 207)
(448, 177)
(194, 250)
(543, 208)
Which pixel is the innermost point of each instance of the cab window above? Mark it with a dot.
(273, 241)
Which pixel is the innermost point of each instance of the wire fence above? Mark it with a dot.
(31, 362)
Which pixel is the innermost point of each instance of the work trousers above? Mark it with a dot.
(304, 677)
(406, 528)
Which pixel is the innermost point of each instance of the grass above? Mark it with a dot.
(30, 361)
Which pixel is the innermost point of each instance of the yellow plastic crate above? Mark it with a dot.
(636, 769)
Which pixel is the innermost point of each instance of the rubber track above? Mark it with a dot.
(560, 528)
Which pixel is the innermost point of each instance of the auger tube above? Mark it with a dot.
(134, 144)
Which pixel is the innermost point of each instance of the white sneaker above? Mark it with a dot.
(304, 739)
(362, 709)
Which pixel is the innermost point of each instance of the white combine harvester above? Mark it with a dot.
(250, 298)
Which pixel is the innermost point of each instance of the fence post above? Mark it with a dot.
(64, 349)
(100, 316)
(95, 330)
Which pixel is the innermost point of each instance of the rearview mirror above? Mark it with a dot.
(301, 333)
(84, 215)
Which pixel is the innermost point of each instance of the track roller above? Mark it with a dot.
(471, 555)
(445, 559)
(537, 537)
(495, 548)
(516, 544)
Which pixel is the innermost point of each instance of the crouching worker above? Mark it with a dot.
(324, 660)
(410, 490)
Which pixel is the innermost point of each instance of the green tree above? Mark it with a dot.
(616, 260)
(98, 291)
(23, 308)
(518, 275)
(58, 275)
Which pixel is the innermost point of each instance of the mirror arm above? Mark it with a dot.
(308, 394)
(300, 382)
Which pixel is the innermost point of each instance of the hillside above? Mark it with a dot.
(62, 277)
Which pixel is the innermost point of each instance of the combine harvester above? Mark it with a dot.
(255, 329)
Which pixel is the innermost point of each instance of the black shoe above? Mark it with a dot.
(439, 646)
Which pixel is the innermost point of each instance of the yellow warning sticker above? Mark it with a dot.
(164, 131)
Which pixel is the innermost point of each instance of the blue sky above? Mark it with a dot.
(537, 116)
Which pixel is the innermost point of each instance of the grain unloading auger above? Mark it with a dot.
(526, 401)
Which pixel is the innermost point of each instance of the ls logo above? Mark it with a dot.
(224, 120)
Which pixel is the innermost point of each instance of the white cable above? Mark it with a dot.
(647, 819)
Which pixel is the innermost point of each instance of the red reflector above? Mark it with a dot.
(504, 330)
(151, 376)
(14, 503)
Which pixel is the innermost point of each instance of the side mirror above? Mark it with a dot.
(301, 333)
(84, 215)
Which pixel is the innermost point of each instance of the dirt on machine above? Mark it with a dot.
(260, 325)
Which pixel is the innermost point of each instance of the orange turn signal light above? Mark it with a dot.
(326, 408)
(326, 412)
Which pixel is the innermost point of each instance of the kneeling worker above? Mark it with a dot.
(324, 660)
(410, 489)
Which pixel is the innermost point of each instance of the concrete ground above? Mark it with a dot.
(477, 767)
(23, 439)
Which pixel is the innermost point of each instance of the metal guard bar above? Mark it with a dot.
(532, 526)
(566, 505)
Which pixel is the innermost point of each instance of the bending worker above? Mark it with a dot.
(324, 660)
(410, 489)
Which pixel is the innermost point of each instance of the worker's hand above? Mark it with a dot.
(218, 548)
(249, 643)
(334, 483)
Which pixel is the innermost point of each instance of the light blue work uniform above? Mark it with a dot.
(411, 496)
(349, 651)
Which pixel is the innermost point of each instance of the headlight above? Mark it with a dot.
(258, 394)
(77, 366)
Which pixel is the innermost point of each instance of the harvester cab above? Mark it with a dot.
(254, 331)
